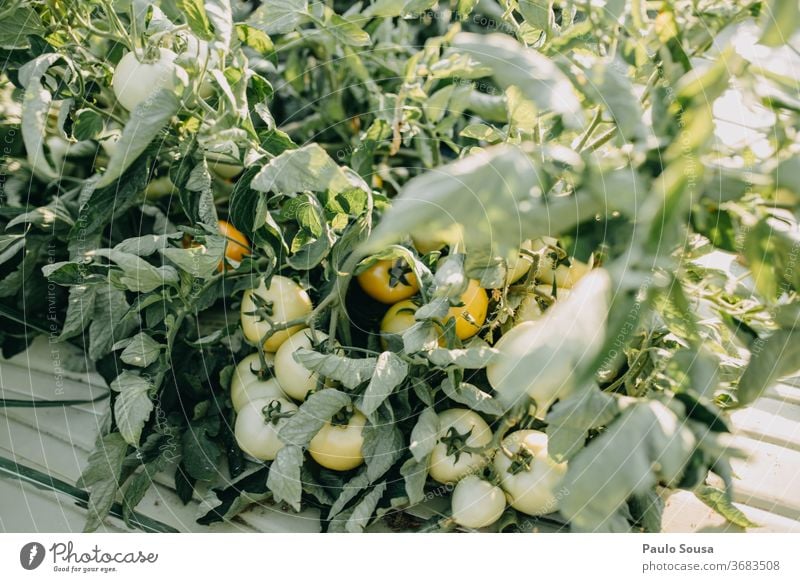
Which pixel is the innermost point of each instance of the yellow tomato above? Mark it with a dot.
(471, 315)
(237, 246)
(389, 281)
(286, 301)
(339, 447)
(398, 319)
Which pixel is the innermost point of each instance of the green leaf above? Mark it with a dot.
(308, 168)
(415, 475)
(100, 205)
(350, 491)
(141, 351)
(646, 444)
(569, 421)
(423, 335)
(364, 510)
(101, 477)
(538, 13)
(80, 309)
(196, 17)
(346, 32)
(201, 262)
(781, 20)
(771, 358)
(88, 124)
(52, 217)
(137, 274)
(414, 8)
(389, 373)
(17, 23)
(133, 406)
(200, 453)
(383, 446)
(512, 64)
(472, 358)
(108, 323)
(350, 372)
(609, 85)
(424, 435)
(256, 39)
(284, 476)
(279, 16)
(647, 510)
(472, 396)
(721, 502)
(318, 409)
(220, 17)
(145, 123)
(35, 107)
(469, 192)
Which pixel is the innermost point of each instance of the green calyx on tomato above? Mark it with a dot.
(257, 426)
(529, 476)
(339, 447)
(263, 308)
(389, 281)
(458, 452)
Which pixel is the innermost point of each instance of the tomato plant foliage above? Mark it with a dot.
(652, 145)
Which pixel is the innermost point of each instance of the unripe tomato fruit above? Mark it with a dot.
(255, 434)
(472, 314)
(446, 468)
(246, 374)
(295, 380)
(398, 319)
(477, 503)
(339, 447)
(134, 81)
(286, 300)
(532, 490)
(389, 281)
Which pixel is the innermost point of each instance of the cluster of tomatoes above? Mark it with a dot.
(268, 385)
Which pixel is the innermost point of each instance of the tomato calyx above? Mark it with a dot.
(343, 416)
(264, 310)
(521, 461)
(398, 274)
(456, 443)
(273, 412)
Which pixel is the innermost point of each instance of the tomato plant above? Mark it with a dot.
(482, 244)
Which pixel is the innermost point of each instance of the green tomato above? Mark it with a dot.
(134, 81)
(339, 447)
(285, 300)
(246, 385)
(532, 480)
(294, 379)
(256, 432)
(477, 503)
(454, 422)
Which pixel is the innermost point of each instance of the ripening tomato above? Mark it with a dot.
(257, 426)
(134, 80)
(398, 319)
(339, 446)
(564, 276)
(461, 427)
(237, 246)
(284, 300)
(471, 315)
(477, 503)
(531, 479)
(296, 380)
(389, 281)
